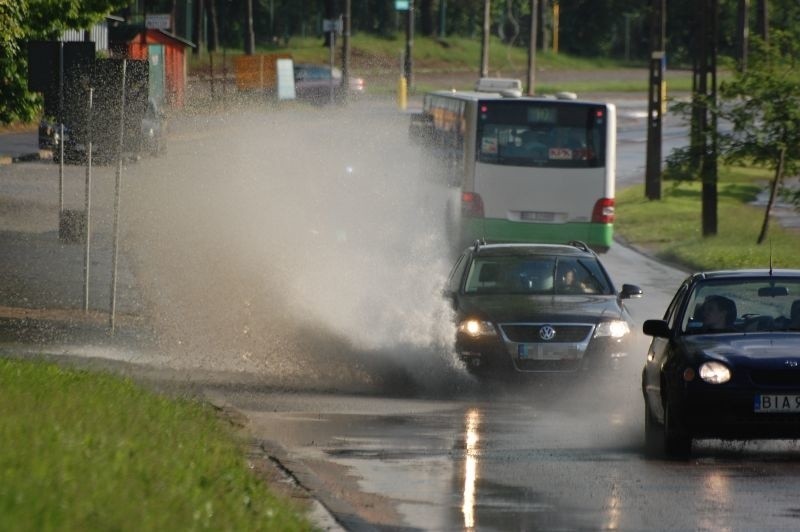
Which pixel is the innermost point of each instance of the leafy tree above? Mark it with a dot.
(762, 106)
(25, 20)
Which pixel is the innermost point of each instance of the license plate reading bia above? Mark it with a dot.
(776, 403)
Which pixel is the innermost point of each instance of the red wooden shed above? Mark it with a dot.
(166, 54)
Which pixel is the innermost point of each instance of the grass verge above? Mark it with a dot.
(671, 228)
(378, 59)
(86, 451)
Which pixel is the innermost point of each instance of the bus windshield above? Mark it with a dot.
(546, 134)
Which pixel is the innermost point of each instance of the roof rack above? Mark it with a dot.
(477, 244)
(580, 245)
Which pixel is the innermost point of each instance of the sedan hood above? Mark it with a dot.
(524, 308)
(739, 348)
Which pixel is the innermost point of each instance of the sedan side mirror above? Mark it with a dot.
(656, 328)
(630, 290)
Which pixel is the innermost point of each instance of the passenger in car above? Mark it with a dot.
(794, 316)
(570, 284)
(719, 313)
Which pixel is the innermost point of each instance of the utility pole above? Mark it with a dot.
(485, 41)
(705, 93)
(408, 61)
(532, 50)
(656, 101)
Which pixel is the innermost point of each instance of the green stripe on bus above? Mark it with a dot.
(495, 230)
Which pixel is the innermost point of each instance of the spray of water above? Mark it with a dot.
(304, 244)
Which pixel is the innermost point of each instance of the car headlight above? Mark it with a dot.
(477, 328)
(715, 372)
(613, 328)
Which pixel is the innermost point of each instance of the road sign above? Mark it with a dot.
(401, 5)
(332, 25)
(153, 21)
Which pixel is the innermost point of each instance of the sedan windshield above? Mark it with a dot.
(543, 275)
(743, 305)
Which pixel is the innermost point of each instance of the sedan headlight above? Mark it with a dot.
(613, 328)
(715, 372)
(477, 328)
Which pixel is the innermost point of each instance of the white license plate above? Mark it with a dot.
(770, 404)
(541, 352)
(537, 216)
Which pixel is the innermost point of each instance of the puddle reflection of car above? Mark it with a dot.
(314, 83)
(538, 308)
(724, 361)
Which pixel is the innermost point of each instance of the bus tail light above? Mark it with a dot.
(471, 205)
(603, 212)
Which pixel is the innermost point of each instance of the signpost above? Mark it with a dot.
(332, 26)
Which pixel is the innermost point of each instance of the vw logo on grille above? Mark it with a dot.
(788, 363)
(547, 332)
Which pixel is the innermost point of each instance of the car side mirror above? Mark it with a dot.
(656, 328)
(630, 290)
(451, 296)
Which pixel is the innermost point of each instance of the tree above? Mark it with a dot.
(763, 108)
(25, 20)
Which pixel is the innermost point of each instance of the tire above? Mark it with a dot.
(654, 437)
(677, 440)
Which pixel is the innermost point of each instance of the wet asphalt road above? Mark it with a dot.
(296, 254)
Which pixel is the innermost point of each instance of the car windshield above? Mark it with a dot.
(535, 274)
(743, 305)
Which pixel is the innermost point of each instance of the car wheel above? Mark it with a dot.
(653, 434)
(677, 440)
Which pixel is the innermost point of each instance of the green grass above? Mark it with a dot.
(672, 227)
(84, 451)
(378, 60)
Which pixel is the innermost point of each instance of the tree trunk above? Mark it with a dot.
(249, 36)
(426, 17)
(198, 28)
(776, 181)
(213, 42)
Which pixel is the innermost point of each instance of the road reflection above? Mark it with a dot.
(717, 496)
(473, 420)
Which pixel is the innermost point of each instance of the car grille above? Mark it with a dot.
(775, 377)
(528, 333)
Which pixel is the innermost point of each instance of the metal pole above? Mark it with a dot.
(655, 106)
(333, 58)
(88, 203)
(532, 50)
(118, 186)
(346, 49)
(485, 39)
(60, 129)
(409, 62)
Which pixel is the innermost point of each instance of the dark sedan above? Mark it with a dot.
(537, 308)
(724, 361)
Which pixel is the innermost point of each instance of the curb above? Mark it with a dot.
(22, 158)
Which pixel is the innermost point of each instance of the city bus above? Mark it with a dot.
(527, 169)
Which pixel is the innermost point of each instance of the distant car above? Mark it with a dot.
(314, 82)
(537, 308)
(724, 361)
